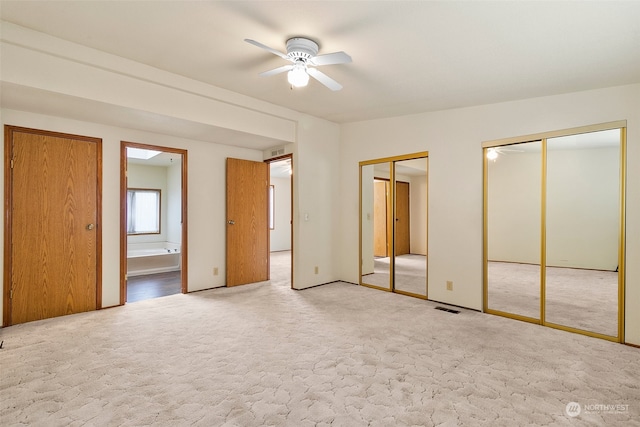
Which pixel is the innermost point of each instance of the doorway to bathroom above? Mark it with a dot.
(153, 218)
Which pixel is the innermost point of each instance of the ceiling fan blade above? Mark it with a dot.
(324, 79)
(267, 48)
(331, 58)
(276, 70)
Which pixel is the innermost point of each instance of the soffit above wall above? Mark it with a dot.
(38, 101)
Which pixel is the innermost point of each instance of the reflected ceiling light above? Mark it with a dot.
(141, 153)
(492, 154)
(298, 76)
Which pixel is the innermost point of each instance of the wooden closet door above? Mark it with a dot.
(54, 238)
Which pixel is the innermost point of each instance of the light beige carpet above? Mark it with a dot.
(339, 354)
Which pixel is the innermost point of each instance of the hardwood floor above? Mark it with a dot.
(153, 286)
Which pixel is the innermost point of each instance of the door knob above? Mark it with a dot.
(90, 227)
(231, 222)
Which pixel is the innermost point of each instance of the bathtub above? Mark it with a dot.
(154, 257)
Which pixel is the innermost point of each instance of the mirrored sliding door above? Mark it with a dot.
(513, 176)
(410, 259)
(393, 224)
(375, 227)
(582, 231)
(554, 229)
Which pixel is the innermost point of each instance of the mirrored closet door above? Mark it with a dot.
(410, 260)
(554, 229)
(393, 224)
(582, 231)
(513, 176)
(375, 225)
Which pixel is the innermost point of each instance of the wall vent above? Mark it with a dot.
(278, 151)
(448, 310)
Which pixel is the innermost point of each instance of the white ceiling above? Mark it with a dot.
(408, 56)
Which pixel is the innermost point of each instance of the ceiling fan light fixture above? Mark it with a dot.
(303, 52)
(298, 76)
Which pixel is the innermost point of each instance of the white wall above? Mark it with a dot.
(280, 238)
(316, 191)
(453, 139)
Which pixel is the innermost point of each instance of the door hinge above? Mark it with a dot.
(12, 161)
(11, 294)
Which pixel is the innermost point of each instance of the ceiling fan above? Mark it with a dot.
(303, 53)
(494, 152)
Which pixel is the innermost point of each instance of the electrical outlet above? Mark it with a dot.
(215, 271)
(449, 285)
(316, 270)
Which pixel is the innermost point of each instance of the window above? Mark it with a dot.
(143, 211)
(272, 207)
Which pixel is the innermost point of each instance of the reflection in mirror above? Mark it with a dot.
(582, 229)
(376, 230)
(513, 228)
(410, 268)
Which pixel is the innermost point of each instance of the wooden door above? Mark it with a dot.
(402, 218)
(247, 222)
(53, 263)
(380, 230)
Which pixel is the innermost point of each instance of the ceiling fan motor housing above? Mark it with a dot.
(299, 48)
